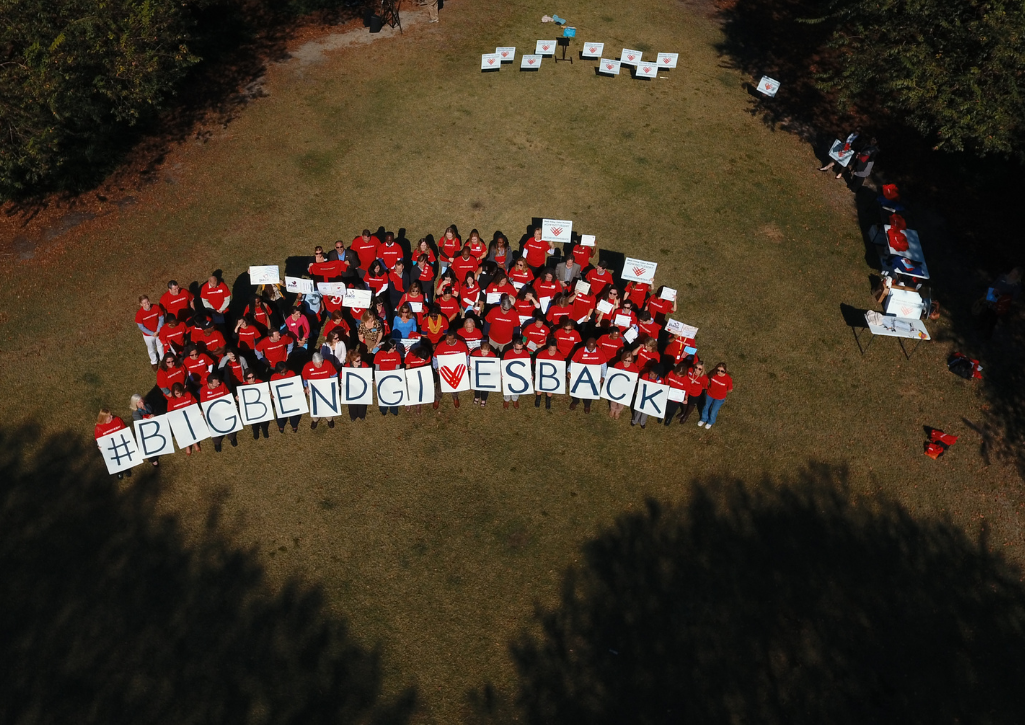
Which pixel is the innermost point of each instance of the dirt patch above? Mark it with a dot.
(313, 52)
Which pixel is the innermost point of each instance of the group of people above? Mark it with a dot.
(473, 297)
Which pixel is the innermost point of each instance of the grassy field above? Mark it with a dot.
(436, 535)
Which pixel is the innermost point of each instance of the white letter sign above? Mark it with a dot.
(486, 374)
(550, 376)
(391, 388)
(264, 274)
(637, 270)
(516, 377)
(188, 426)
(289, 397)
(119, 450)
(584, 381)
(452, 371)
(254, 403)
(154, 436)
(325, 402)
(556, 230)
(419, 385)
(221, 415)
(357, 386)
(592, 50)
(651, 398)
(619, 386)
(609, 67)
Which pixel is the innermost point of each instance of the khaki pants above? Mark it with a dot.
(432, 10)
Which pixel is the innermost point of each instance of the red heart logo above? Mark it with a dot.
(544, 47)
(629, 57)
(639, 271)
(609, 66)
(491, 61)
(593, 50)
(768, 87)
(665, 60)
(453, 376)
(647, 69)
(530, 61)
(556, 231)
(505, 53)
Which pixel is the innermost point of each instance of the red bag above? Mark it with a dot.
(897, 222)
(934, 450)
(890, 192)
(938, 436)
(897, 239)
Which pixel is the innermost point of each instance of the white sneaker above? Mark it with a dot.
(701, 424)
(708, 427)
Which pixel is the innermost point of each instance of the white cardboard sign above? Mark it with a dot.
(678, 328)
(154, 437)
(506, 53)
(637, 270)
(587, 240)
(646, 69)
(119, 450)
(582, 287)
(419, 385)
(550, 376)
(264, 274)
(516, 377)
(453, 373)
(584, 381)
(619, 386)
(325, 400)
(486, 374)
(768, 86)
(221, 415)
(188, 426)
(331, 289)
(651, 398)
(545, 47)
(609, 66)
(493, 298)
(667, 60)
(530, 62)
(677, 395)
(254, 403)
(605, 307)
(592, 50)
(630, 57)
(490, 61)
(360, 298)
(288, 396)
(298, 285)
(391, 388)
(559, 231)
(668, 293)
(357, 386)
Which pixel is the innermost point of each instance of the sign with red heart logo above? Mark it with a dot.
(490, 61)
(647, 70)
(530, 62)
(592, 50)
(609, 67)
(452, 371)
(630, 57)
(639, 270)
(667, 60)
(545, 47)
(556, 230)
(507, 53)
(768, 86)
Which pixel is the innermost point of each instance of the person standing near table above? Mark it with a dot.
(216, 297)
(720, 384)
(149, 318)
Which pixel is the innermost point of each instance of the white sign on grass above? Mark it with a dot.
(360, 298)
(768, 86)
(506, 53)
(188, 426)
(647, 69)
(557, 230)
(678, 328)
(619, 386)
(254, 403)
(637, 270)
(530, 62)
(419, 385)
(288, 396)
(358, 386)
(516, 377)
(550, 376)
(264, 274)
(651, 398)
(325, 401)
(298, 285)
(391, 388)
(153, 436)
(592, 50)
(490, 61)
(667, 60)
(584, 381)
(331, 289)
(221, 415)
(545, 47)
(486, 374)
(609, 67)
(453, 373)
(119, 450)
(630, 57)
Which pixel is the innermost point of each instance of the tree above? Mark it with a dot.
(952, 69)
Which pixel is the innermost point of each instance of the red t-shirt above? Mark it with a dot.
(365, 249)
(149, 318)
(505, 289)
(650, 328)
(502, 324)
(275, 352)
(511, 354)
(557, 314)
(547, 289)
(631, 368)
(342, 326)
(523, 276)
(677, 381)
(396, 282)
(247, 337)
(173, 335)
(414, 361)
(535, 334)
(325, 371)
(461, 267)
(545, 355)
(719, 386)
(260, 315)
(198, 367)
(469, 294)
(637, 292)
(473, 334)
(524, 308)
(609, 346)
(115, 424)
(449, 307)
(566, 340)
(376, 283)
(582, 306)
(234, 370)
(389, 254)
(480, 353)
(387, 360)
(659, 306)
(450, 247)
(599, 280)
(617, 314)
(536, 252)
(210, 339)
(478, 248)
(675, 350)
(282, 376)
(183, 402)
(329, 270)
(207, 393)
(646, 356)
(173, 304)
(696, 386)
(167, 378)
(582, 255)
(457, 347)
(590, 357)
(215, 295)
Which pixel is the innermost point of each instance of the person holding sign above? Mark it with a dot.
(388, 359)
(281, 372)
(318, 369)
(536, 252)
(470, 294)
(141, 410)
(216, 297)
(251, 379)
(678, 384)
(536, 333)
(638, 416)
(720, 384)
(365, 246)
(661, 308)
(376, 277)
(589, 354)
(516, 352)
(547, 286)
(500, 285)
(107, 423)
(481, 396)
(627, 364)
(844, 151)
(214, 389)
(181, 398)
(502, 323)
(520, 274)
(637, 292)
(551, 352)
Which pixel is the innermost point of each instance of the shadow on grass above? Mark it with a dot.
(110, 617)
(759, 603)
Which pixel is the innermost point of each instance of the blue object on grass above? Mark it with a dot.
(558, 20)
(569, 32)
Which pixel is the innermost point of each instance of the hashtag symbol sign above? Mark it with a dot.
(120, 450)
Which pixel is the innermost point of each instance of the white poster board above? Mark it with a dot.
(154, 437)
(544, 47)
(486, 374)
(453, 372)
(221, 416)
(506, 53)
(678, 328)
(584, 381)
(530, 62)
(592, 50)
(619, 386)
(289, 397)
(605, 307)
(677, 395)
(637, 270)
(264, 274)
(119, 450)
(609, 67)
(587, 240)
(651, 398)
(298, 285)
(188, 426)
(358, 386)
(646, 69)
(325, 399)
(630, 57)
(768, 86)
(490, 61)
(667, 60)
(391, 388)
(840, 156)
(582, 287)
(419, 385)
(360, 298)
(254, 404)
(516, 377)
(559, 231)
(331, 289)
(550, 376)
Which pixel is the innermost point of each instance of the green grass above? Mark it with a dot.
(436, 535)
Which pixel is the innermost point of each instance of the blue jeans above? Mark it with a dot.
(710, 410)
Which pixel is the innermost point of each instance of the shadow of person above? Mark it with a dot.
(111, 617)
(794, 603)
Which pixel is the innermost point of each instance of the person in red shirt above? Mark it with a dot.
(502, 323)
(625, 317)
(599, 277)
(653, 373)
(470, 294)
(197, 364)
(424, 270)
(611, 343)
(435, 325)
(647, 325)
(376, 277)
(465, 263)
(216, 297)
(274, 348)
(417, 301)
(387, 359)
(500, 285)
(172, 335)
(589, 354)
(627, 363)
(582, 255)
(336, 322)
(398, 282)
(209, 339)
(536, 333)
(516, 352)
(260, 312)
(251, 379)
(326, 270)
(449, 346)
(550, 352)
(659, 308)
(107, 423)
(481, 396)
(637, 292)
(389, 252)
(233, 368)
(282, 372)
(677, 380)
(448, 304)
(478, 248)
(697, 382)
(215, 388)
(418, 356)
(449, 246)
(583, 307)
(169, 372)
(520, 274)
(720, 384)
(149, 318)
(318, 369)
(676, 348)
(559, 310)
(536, 252)
(469, 333)
(567, 338)
(365, 246)
(647, 354)
(176, 299)
(547, 286)
(526, 304)
(246, 333)
(181, 398)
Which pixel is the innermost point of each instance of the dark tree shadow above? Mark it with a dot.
(762, 604)
(110, 617)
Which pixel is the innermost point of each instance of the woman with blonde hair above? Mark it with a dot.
(720, 384)
(107, 423)
(141, 410)
(370, 332)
